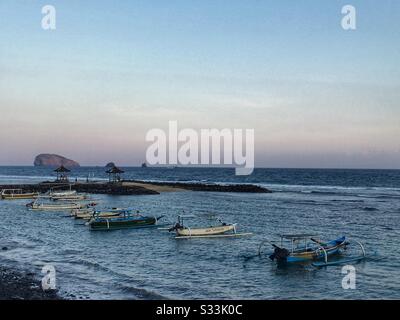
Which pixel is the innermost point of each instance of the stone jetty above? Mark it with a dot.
(136, 187)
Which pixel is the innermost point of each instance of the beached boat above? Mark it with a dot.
(309, 248)
(126, 219)
(17, 194)
(220, 230)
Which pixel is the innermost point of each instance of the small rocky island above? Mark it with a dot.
(54, 160)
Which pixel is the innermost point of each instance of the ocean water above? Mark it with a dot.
(150, 264)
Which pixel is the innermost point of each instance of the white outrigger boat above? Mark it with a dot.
(89, 213)
(85, 213)
(215, 231)
(37, 206)
(17, 194)
(69, 195)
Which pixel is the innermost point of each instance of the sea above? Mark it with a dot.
(363, 205)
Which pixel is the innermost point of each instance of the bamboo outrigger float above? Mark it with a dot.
(217, 231)
(308, 248)
(17, 194)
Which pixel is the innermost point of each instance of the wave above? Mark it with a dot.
(380, 196)
(118, 279)
(370, 209)
(328, 193)
(347, 200)
(22, 177)
(141, 293)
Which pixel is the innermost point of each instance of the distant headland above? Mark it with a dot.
(54, 160)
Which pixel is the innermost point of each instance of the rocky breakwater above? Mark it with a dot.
(112, 189)
(92, 188)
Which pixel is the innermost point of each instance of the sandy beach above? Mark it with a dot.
(154, 187)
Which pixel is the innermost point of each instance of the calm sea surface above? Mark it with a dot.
(150, 264)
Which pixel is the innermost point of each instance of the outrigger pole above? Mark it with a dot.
(342, 261)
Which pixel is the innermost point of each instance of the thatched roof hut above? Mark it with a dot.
(114, 174)
(62, 173)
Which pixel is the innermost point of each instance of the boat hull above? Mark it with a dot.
(24, 196)
(87, 215)
(69, 198)
(193, 232)
(55, 207)
(311, 256)
(121, 223)
(331, 248)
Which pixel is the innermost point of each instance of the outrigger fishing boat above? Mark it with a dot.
(37, 206)
(309, 248)
(89, 213)
(125, 219)
(67, 196)
(17, 194)
(214, 231)
(85, 213)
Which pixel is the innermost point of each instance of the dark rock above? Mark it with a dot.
(93, 188)
(54, 160)
(15, 285)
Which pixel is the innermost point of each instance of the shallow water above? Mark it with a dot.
(151, 264)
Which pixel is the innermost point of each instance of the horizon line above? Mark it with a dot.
(206, 167)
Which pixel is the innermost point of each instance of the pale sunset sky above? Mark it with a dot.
(316, 95)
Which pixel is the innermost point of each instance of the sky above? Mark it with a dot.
(315, 94)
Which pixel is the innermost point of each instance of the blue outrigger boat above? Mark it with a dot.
(308, 248)
(126, 219)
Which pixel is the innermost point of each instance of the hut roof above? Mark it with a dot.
(62, 169)
(115, 170)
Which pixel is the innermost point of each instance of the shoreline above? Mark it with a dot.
(186, 186)
(17, 285)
